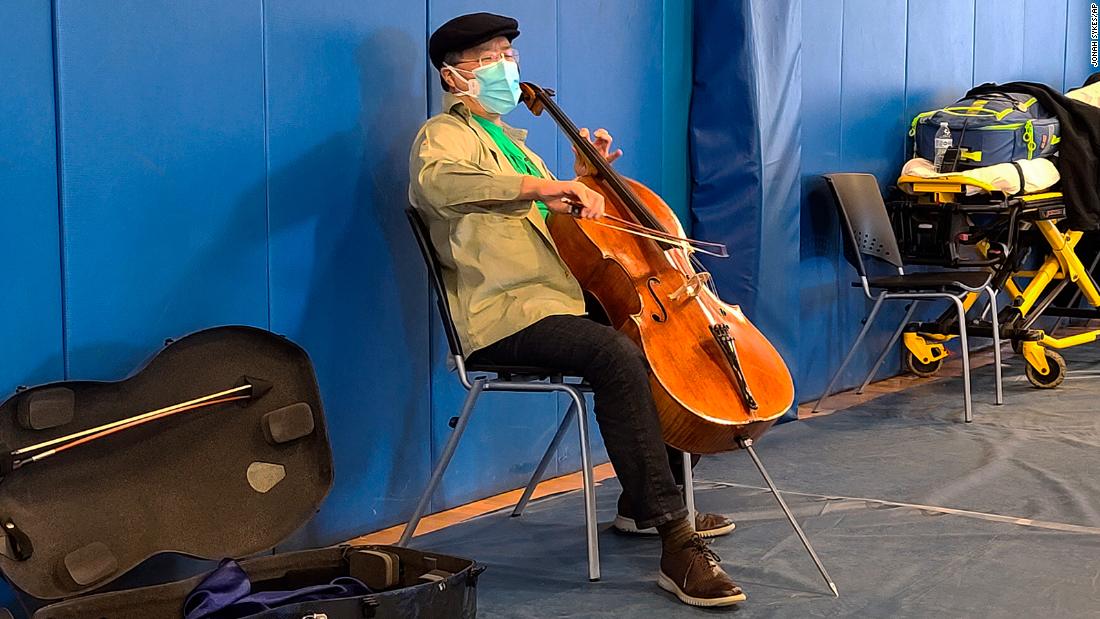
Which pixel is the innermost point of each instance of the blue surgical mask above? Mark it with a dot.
(495, 86)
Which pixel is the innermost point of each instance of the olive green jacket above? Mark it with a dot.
(500, 266)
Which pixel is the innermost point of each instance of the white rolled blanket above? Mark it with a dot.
(1039, 174)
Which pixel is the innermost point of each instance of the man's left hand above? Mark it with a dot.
(602, 141)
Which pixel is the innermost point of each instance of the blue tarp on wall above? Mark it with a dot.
(745, 152)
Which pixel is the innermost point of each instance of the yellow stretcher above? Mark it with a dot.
(938, 210)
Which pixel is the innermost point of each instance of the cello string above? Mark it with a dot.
(701, 268)
(543, 98)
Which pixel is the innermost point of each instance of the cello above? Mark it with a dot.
(718, 383)
(716, 380)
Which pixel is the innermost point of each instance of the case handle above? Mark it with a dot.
(19, 545)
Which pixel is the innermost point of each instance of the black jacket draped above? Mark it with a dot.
(1078, 159)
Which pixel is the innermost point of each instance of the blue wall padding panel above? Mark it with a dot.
(1044, 35)
(820, 272)
(30, 328)
(932, 76)
(725, 146)
(1008, 48)
(592, 96)
(345, 91)
(999, 40)
(872, 99)
(745, 154)
(676, 74)
(162, 154)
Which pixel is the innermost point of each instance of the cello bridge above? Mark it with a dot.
(692, 287)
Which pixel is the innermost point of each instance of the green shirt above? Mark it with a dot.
(500, 266)
(520, 162)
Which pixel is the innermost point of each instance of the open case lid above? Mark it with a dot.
(224, 480)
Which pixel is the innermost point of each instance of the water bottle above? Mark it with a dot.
(942, 143)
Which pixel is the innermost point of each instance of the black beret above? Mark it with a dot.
(466, 31)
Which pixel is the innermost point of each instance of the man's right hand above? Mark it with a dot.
(553, 192)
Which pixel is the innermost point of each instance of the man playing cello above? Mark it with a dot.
(484, 196)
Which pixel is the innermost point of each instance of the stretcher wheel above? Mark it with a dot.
(1057, 372)
(920, 368)
(1017, 346)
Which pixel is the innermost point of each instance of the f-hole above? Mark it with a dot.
(663, 316)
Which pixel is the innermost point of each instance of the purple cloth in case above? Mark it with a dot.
(227, 594)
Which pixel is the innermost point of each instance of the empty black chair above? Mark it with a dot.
(867, 232)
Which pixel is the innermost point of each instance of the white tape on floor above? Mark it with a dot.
(965, 513)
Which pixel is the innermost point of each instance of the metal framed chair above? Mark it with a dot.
(523, 379)
(867, 232)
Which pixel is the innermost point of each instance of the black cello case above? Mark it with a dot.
(230, 480)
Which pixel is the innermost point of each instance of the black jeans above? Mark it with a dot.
(619, 376)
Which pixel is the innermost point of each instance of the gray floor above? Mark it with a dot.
(913, 512)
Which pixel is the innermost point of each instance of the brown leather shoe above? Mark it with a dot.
(694, 575)
(706, 525)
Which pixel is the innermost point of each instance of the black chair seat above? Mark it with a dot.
(523, 373)
(512, 370)
(937, 280)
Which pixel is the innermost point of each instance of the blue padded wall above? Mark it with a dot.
(860, 74)
(162, 157)
(169, 166)
(31, 332)
(819, 271)
(31, 329)
(632, 108)
(345, 93)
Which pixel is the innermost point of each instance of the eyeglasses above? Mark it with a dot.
(490, 57)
